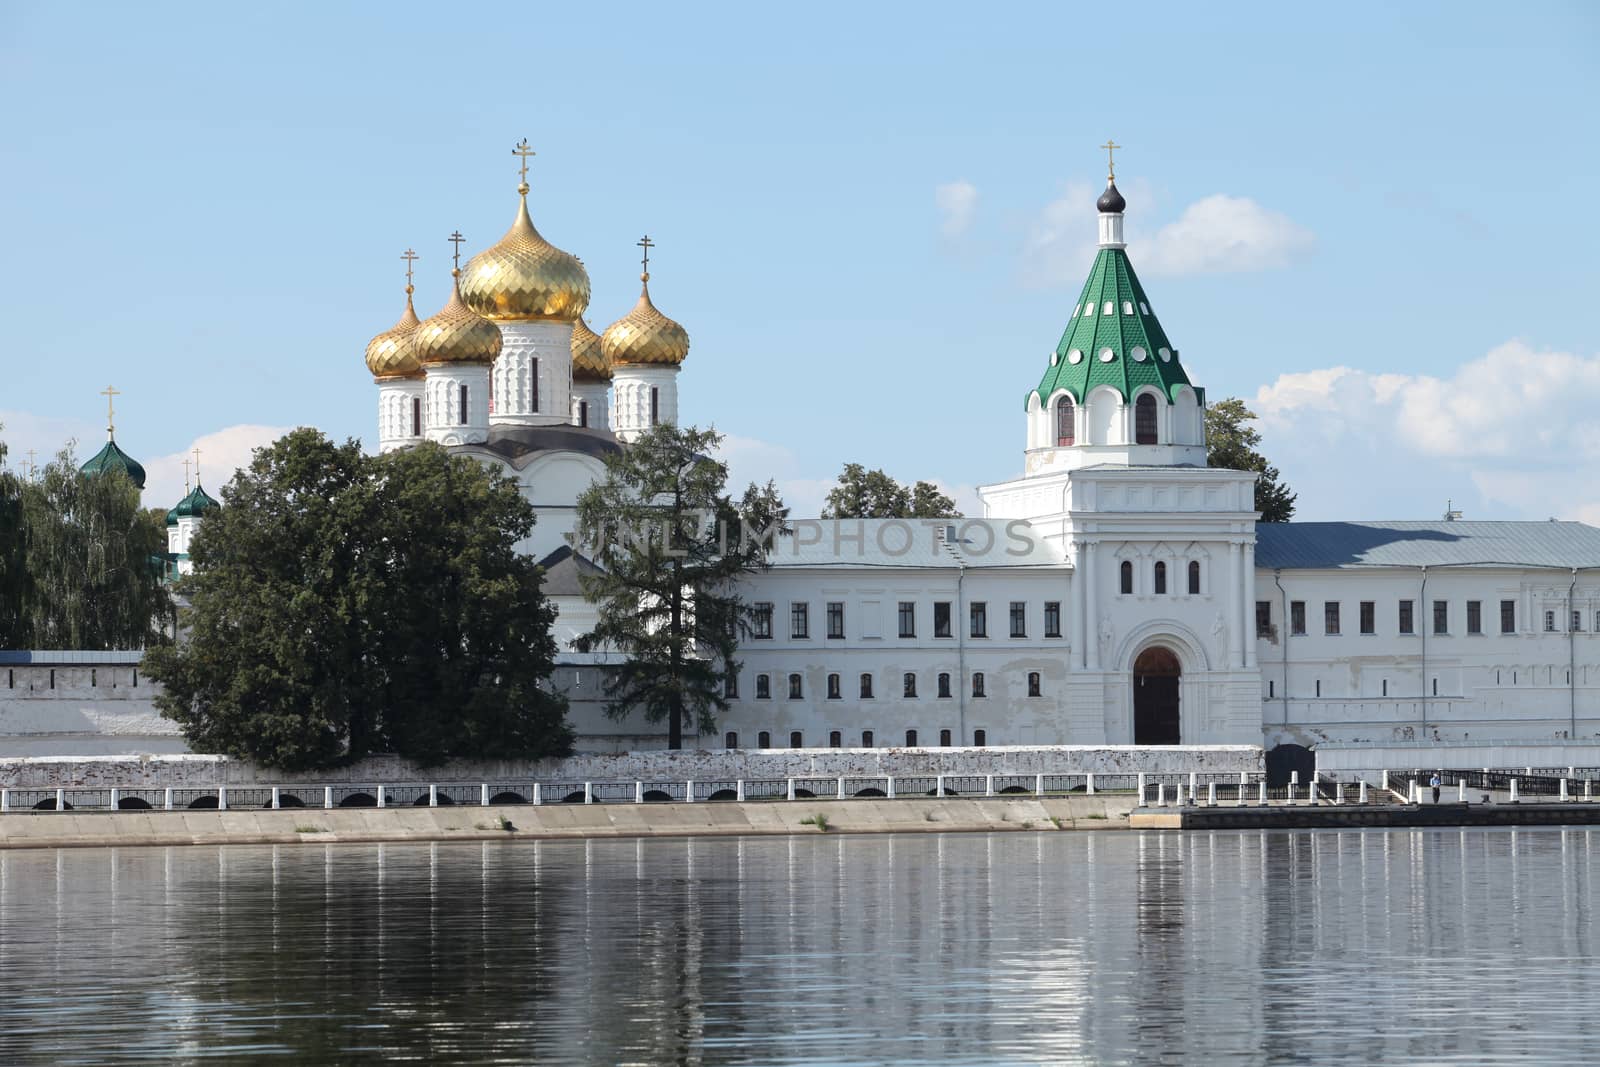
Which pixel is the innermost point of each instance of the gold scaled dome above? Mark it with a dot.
(456, 334)
(393, 353)
(644, 335)
(589, 363)
(525, 277)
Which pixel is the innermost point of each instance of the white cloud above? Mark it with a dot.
(22, 430)
(1516, 424)
(957, 202)
(1222, 234)
(221, 454)
(1061, 241)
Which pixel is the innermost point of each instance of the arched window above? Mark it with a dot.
(835, 739)
(910, 682)
(944, 738)
(796, 692)
(944, 685)
(1127, 578)
(1033, 683)
(1144, 420)
(730, 740)
(911, 739)
(416, 416)
(463, 420)
(1161, 579)
(866, 738)
(866, 687)
(1064, 413)
(763, 740)
(980, 738)
(794, 739)
(977, 683)
(834, 692)
(1194, 577)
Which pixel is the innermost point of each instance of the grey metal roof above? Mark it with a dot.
(1325, 545)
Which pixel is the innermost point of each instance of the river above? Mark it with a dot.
(1471, 946)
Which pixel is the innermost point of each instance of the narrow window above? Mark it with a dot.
(835, 620)
(1407, 621)
(1436, 687)
(1263, 618)
(866, 738)
(1033, 683)
(1297, 617)
(944, 738)
(52, 677)
(1441, 616)
(799, 619)
(1052, 618)
(977, 684)
(980, 738)
(416, 416)
(908, 618)
(979, 616)
(941, 618)
(1161, 579)
(1474, 616)
(1549, 628)
(93, 681)
(583, 413)
(1271, 687)
(655, 417)
(796, 687)
(1064, 431)
(835, 689)
(1386, 683)
(1330, 617)
(1319, 687)
(835, 739)
(1596, 624)
(763, 687)
(763, 740)
(866, 687)
(911, 739)
(1577, 621)
(1508, 616)
(730, 686)
(533, 382)
(1127, 578)
(944, 685)
(463, 420)
(908, 683)
(1194, 577)
(1144, 420)
(730, 740)
(1369, 617)
(1019, 618)
(136, 677)
(794, 739)
(761, 620)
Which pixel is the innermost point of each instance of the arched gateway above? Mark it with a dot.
(1156, 674)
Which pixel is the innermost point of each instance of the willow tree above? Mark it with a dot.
(671, 547)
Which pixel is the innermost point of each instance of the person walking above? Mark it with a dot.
(1436, 782)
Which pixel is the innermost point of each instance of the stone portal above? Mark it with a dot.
(1156, 675)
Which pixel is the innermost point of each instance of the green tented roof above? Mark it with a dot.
(113, 458)
(196, 503)
(1128, 331)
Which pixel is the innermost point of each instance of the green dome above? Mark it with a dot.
(197, 503)
(113, 458)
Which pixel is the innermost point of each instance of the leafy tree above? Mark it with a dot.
(668, 539)
(863, 494)
(343, 605)
(14, 583)
(1231, 444)
(93, 561)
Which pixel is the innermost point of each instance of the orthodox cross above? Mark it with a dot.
(196, 466)
(410, 257)
(456, 240)
(32, 466)
(524, 151)
(186, 462)
(1111, 158)
(111, 393)
(646, 244)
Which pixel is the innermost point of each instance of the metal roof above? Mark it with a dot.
(1330, 545)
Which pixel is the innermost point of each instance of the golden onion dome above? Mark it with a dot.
(456, 334)
(525, 277)
(392, 354)
(589, 363)
(644, 335)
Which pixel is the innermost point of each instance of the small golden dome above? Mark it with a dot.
(525, 276)
(456, 334)
(589, 363)
(644, 335)
(393, 353)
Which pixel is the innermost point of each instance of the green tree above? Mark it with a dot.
(14, 583)
(343, 605)
(863, 494)
(1231, 444)
(672, 551)
(93, 558)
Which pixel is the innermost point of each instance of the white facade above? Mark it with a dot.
(532, 376)
(455, 403)
(400, 407)
(591, 404)
(643, 395)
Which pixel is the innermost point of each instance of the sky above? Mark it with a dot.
(1375, 223)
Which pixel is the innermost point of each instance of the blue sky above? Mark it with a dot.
(1374, 222)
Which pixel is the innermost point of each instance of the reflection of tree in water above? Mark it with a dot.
(1159, 922)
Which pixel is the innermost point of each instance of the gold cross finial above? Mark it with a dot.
(1111, 159)
(646, 244)
(197, 466)
(524, 151)
(456, 240)
(111, 393)
(410, 257)
(186, 462)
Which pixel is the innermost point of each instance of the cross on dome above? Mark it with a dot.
(524, 151)
(111, 393)
(410, 257)
(456, 239)
(646, 244)
(196, 466)
(1111, 159)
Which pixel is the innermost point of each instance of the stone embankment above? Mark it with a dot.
(65, 829)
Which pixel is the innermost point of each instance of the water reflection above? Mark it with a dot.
(1350, 946)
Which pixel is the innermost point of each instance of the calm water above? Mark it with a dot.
(1330, 947)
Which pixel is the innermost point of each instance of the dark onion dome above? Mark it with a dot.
(1110, 201)
(197, 503)
(113, 458)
